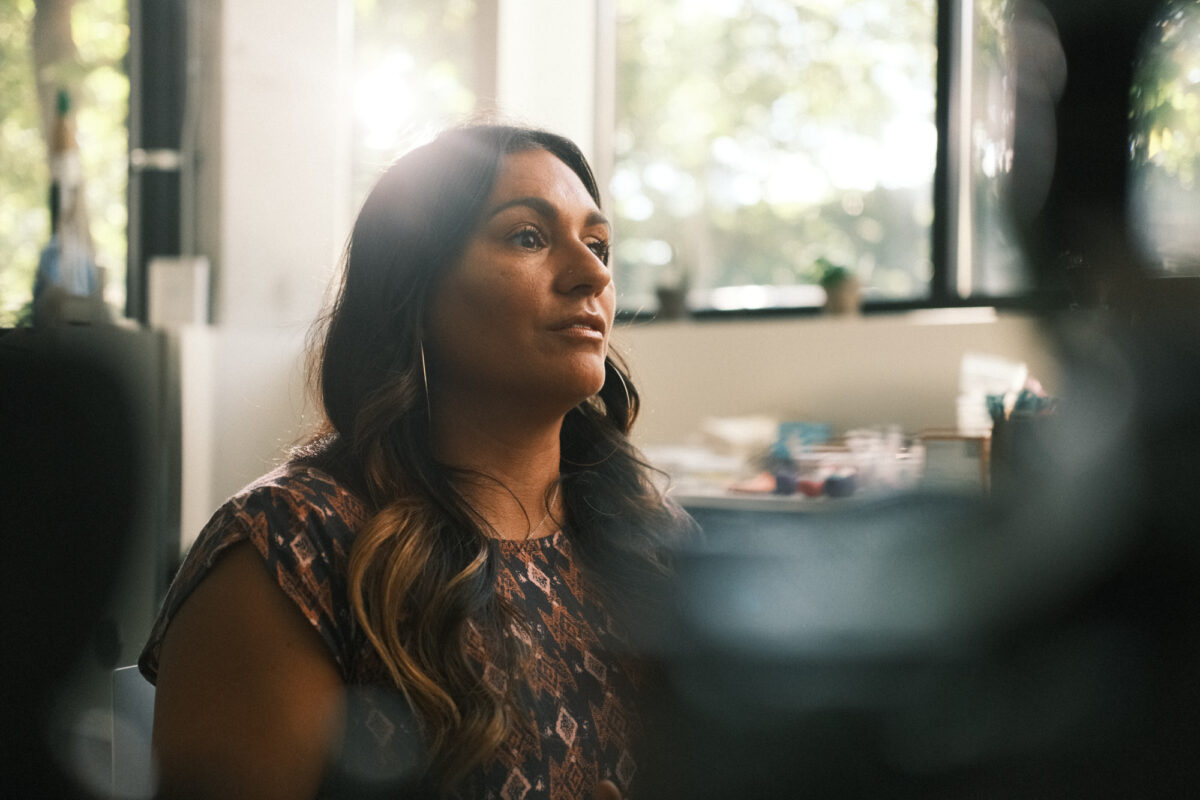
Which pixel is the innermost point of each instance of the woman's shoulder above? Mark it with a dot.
(293, 512)
(303, 490)
(301, 521)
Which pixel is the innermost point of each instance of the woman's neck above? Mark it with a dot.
(510, 469)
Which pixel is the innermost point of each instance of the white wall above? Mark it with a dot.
(897, 369)
(245, 403)
(284, 157)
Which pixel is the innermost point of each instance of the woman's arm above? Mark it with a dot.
(249, 698)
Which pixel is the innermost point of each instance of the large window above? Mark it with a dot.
(759, 142)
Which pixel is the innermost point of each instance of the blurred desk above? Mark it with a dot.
(694, 501)
(883, 517)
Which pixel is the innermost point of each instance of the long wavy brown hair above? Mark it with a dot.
(424, 564)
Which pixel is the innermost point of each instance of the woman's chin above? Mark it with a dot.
(584, 379)
(579, 389)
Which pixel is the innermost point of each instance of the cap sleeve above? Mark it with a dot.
(301, 522)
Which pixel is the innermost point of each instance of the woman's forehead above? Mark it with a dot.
(539, 173)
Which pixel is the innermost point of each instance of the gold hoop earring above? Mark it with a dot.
(425, 380)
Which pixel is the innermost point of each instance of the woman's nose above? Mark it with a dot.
(582, 272)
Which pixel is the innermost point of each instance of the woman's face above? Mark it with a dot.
(526, 312)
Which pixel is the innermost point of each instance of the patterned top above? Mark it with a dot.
(578, 688)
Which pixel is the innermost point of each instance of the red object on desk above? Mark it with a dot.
(811, 487)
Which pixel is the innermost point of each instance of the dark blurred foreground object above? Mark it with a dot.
(1079, 238)
(69, 446)
(1040, 643)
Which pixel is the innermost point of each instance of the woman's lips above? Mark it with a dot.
(585, 326)
(581, 330)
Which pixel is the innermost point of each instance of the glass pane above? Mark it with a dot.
(1165, 106)
(98, 89)
(757, 140)
(1017, 74)
(413, 68)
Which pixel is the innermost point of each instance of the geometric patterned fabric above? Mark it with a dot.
(576, 691)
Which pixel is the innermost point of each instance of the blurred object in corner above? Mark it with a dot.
(68, 286)
(1040, 641)
(70, 449)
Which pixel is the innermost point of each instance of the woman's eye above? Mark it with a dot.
(600, 248)
(527, 238)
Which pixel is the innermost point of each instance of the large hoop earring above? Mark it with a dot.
(624, 386)
(425, 380)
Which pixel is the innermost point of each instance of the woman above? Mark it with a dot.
(446, 559)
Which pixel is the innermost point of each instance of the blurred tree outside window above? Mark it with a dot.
(414, 74)
(757, 140)
(79, 46)
(1165, 155)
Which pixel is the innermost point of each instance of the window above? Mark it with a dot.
(758, 142)
(1010, 65)
(759, 139)
(1165, 167)
(98, 31)
(416, 68)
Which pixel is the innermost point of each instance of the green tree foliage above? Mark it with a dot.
(1165, 152)
(1165, 101)
(24, 176)
(756, 136)
(101, 97)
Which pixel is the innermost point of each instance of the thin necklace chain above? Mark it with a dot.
(549, 511)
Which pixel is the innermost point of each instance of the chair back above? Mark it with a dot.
(133, 772)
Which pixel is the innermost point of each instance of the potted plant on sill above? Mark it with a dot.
(671, 290)
(843, 291)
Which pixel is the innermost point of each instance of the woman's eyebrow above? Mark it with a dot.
(548, 210)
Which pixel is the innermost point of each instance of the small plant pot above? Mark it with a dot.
(671, 302)
(843, 297)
